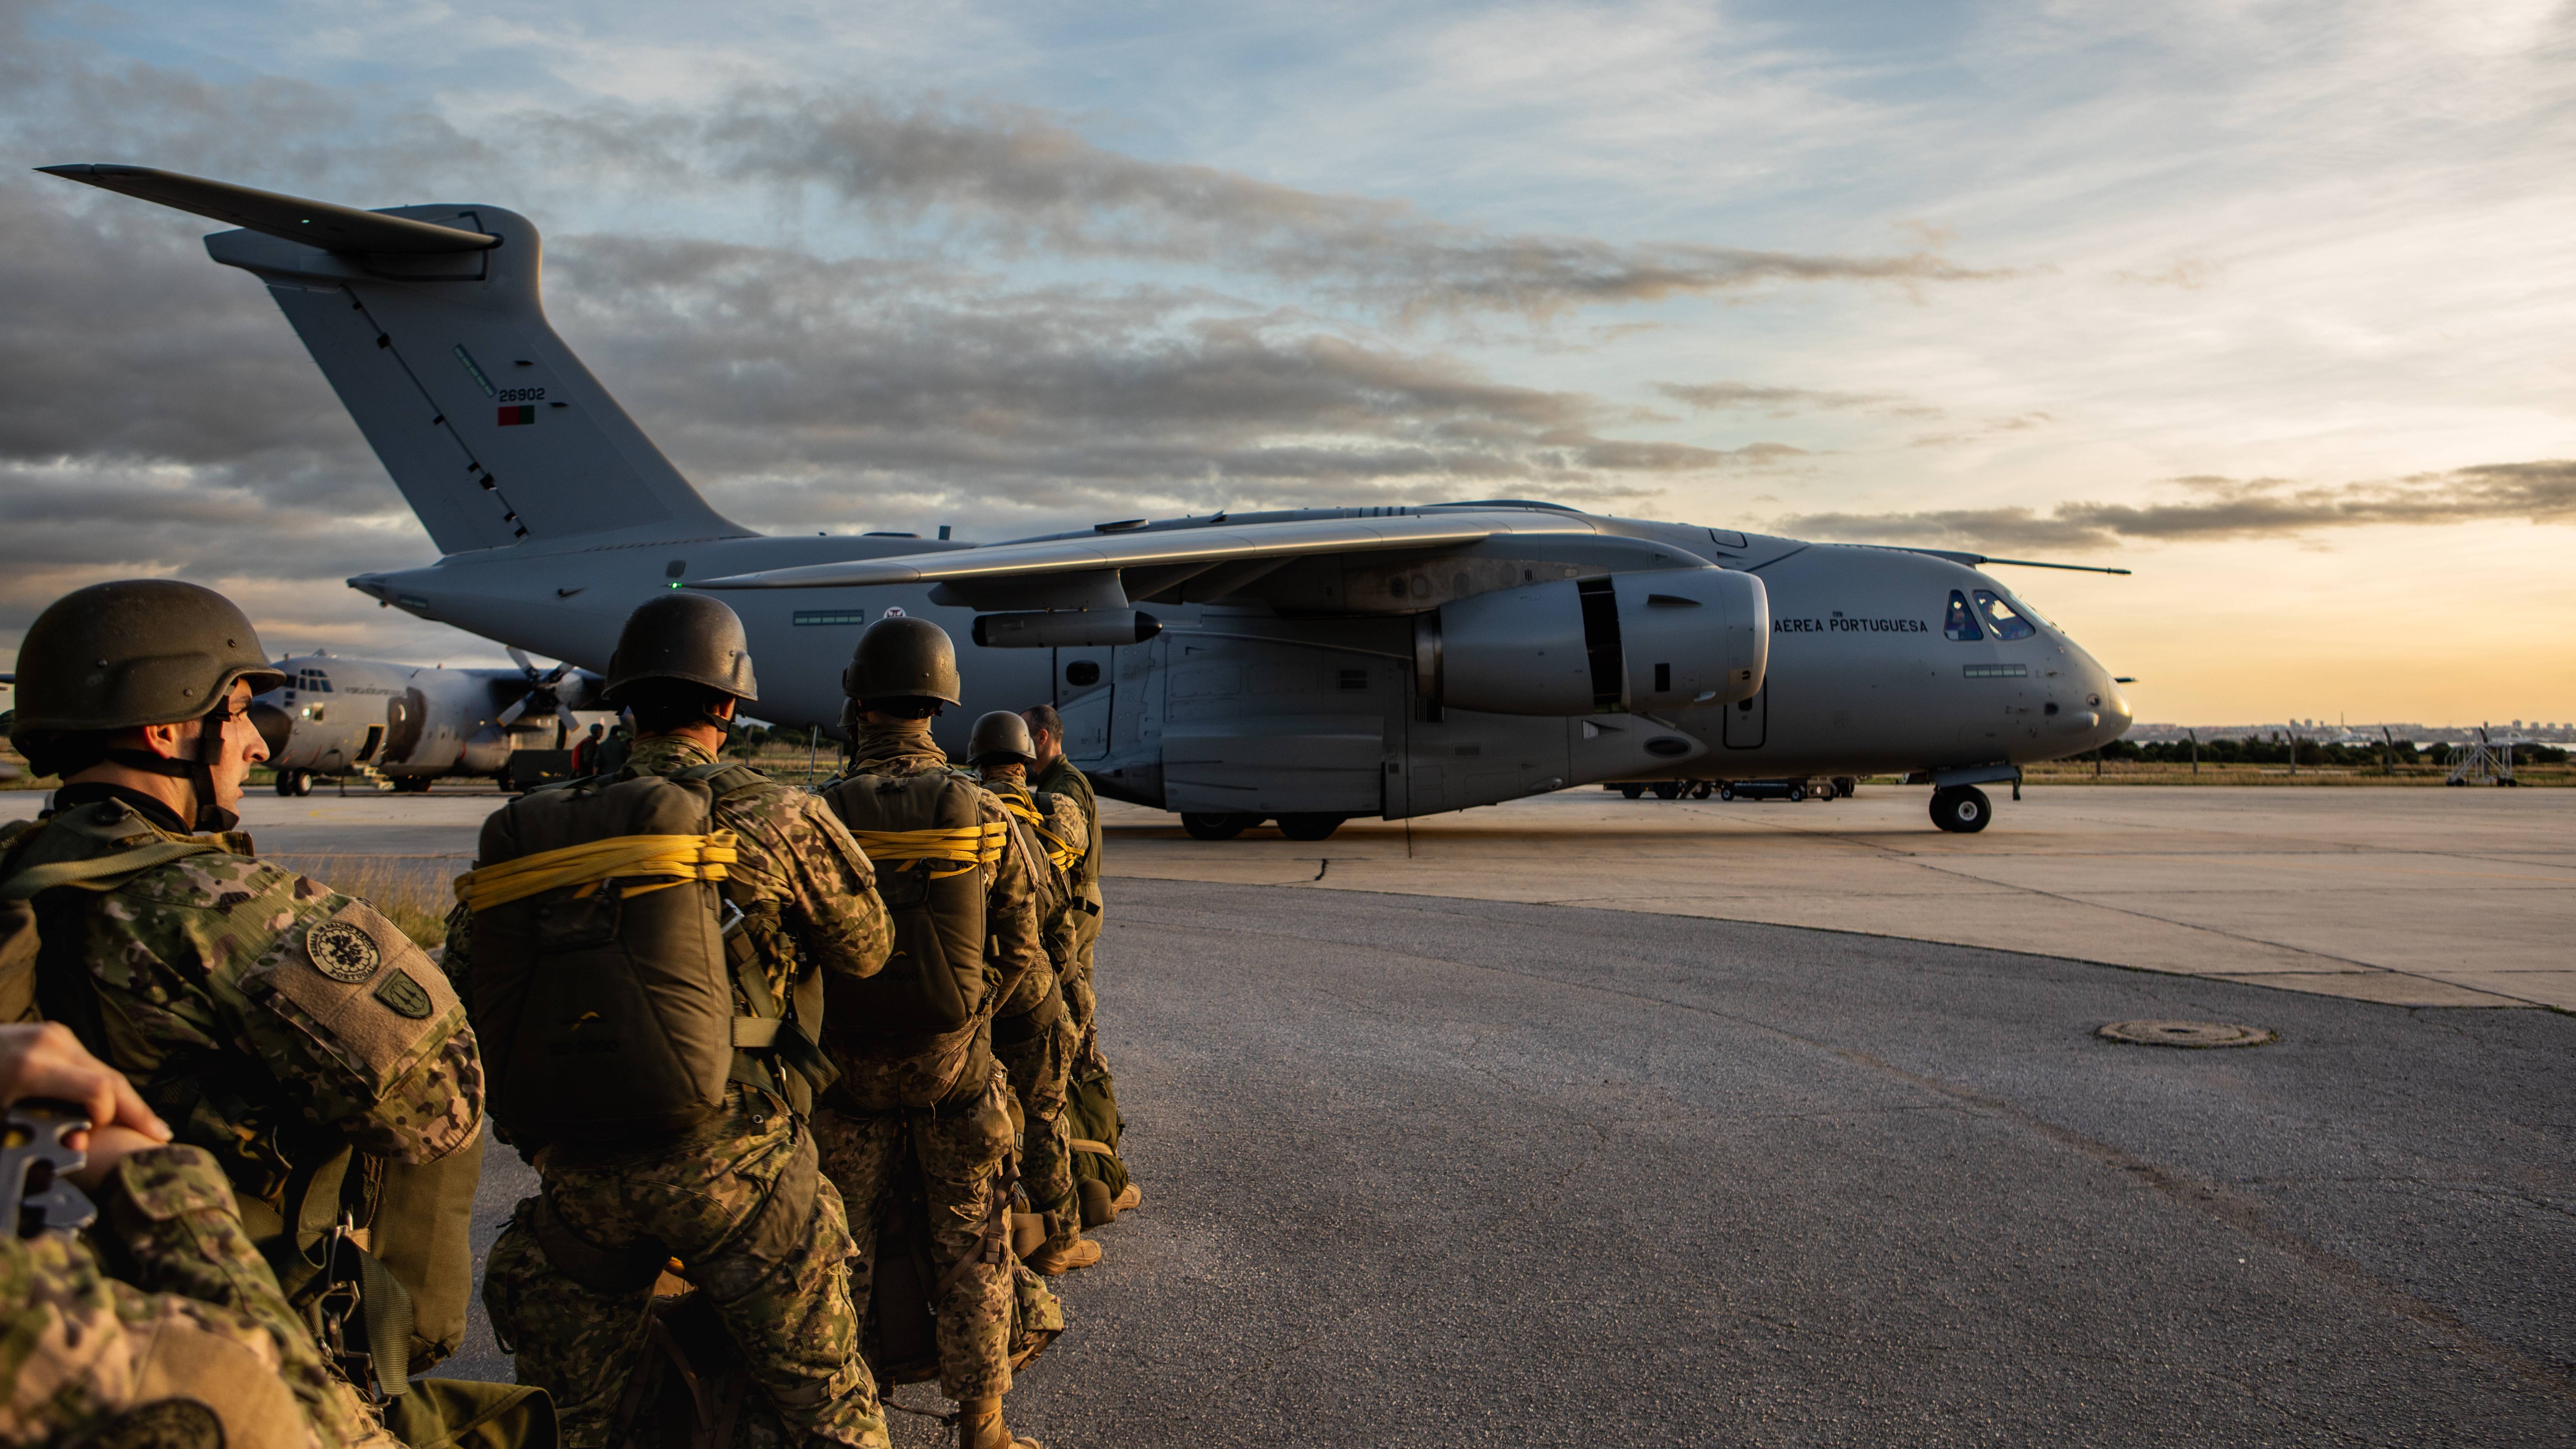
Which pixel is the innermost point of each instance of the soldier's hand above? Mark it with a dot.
(46, 1060)
(107, 1147)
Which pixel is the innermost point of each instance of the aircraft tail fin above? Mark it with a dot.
(429, 323)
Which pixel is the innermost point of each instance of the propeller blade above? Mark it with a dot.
(526, 665)
(517, 708)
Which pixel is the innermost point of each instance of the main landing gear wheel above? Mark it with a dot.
(1961, 809)
(1703, 790)
(294, 782)
(1668, 789)
(1846, 786)
(412, 784)
(1310, 827)
(1215, 826)
(1632, 792)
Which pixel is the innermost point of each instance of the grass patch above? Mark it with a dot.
(414, 892)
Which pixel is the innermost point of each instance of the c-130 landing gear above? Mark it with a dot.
(1961, 809)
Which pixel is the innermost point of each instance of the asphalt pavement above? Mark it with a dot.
(1422, 1171)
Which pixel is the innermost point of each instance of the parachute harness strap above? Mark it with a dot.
(962, 849)
(1061, 854)
(678, 859)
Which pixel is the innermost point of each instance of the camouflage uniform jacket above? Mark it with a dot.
(200, 1317)
(1013, 948)
(266, 1016)
(806, 891)
(1063, 781)
(1054, 889)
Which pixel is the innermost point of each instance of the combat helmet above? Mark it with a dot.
(691, 637)
(134, 652)
(903, 657)
(1001, 736)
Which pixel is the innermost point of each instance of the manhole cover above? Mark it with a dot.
(2187, 1033)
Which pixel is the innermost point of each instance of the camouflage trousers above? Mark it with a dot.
(1040, 1068)
(731, 1200)
(963, 1146)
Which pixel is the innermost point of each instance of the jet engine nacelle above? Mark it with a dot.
(1666, 639)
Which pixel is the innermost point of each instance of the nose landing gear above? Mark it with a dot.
(1961, 809)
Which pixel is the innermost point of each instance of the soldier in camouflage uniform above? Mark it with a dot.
(725, 1197)
(1052, 773)
(1033, 1034)
(288, 1029)
(196, 1346)
(938, 1093)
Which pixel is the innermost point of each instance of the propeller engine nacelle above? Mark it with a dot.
(1667, 639)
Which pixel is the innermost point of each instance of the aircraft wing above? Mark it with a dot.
(1203, 544)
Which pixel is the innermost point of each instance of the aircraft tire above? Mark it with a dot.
(1632, 792)
(1962, 809)
(1846, 786)
(1668, 789)
(412, 784)
(303, 782)
(1703, 790)
(1215, 826)
(1310, 826)
(286, 782)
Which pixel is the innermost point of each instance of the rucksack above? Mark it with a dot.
(926, 836)
(603, 978)
(20, 940)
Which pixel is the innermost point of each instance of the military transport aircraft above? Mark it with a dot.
(410, 725)
(1306, 666)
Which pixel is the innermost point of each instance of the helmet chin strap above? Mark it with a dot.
(198, 772)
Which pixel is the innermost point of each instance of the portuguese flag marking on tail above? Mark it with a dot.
(518, 416)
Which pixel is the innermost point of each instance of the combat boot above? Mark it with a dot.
(1127, 1199)
(1056, 1262)
(980, 1426)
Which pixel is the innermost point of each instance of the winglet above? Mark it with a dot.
(314, 223)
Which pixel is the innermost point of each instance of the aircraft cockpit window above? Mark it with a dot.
(1959, 623)
(2001, 618)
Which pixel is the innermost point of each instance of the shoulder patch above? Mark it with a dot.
(360, 987)
(343, 951)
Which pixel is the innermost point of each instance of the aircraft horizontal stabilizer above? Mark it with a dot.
(1203, 544)
(314, 223)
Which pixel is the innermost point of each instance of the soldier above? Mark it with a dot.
(1052, 773)
(647, 952)
(914, 1046)
(289, 1030)
(196, 1347)
(1033, 1033)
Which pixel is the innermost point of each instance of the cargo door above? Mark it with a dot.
(1086, 696)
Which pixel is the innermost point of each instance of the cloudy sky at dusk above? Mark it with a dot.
(2273, 304)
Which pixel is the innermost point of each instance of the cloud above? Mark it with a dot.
(1781, 402)
(2224, 508)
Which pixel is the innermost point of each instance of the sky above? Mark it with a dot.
(2274, 305)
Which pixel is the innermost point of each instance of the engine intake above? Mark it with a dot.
(1666, 639)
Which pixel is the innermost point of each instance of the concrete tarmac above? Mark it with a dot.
(2422, 897)
(1428, 1172)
